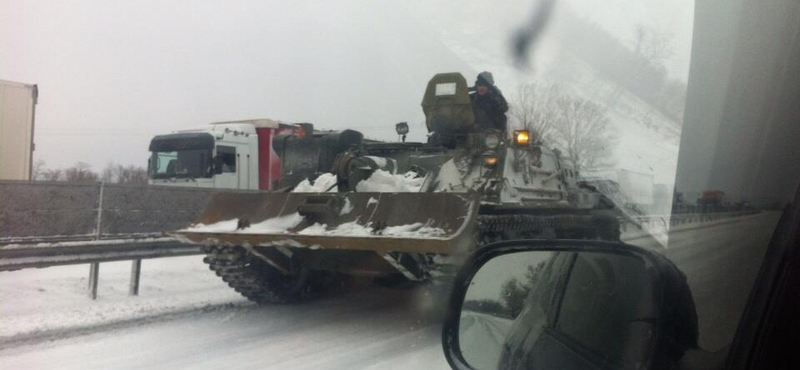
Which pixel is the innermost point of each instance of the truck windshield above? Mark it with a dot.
(193, 163)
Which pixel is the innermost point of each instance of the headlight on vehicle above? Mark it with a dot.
(522, 137)
(492, 141)
(490, 159)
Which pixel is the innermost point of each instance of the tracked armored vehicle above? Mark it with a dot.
(397, 212)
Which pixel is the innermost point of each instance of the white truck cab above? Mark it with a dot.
(226, 155)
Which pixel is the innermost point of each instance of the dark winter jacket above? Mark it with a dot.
(490, 109)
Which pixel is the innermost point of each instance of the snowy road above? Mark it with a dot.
(366, 329)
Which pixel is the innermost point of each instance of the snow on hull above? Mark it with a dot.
(326, 182)
(386, 182)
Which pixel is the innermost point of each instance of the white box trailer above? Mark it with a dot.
(17, 115)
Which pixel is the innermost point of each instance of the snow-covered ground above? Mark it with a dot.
(186, 318)
(367, 328)
(38, 302)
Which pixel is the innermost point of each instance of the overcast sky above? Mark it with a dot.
(112, 74)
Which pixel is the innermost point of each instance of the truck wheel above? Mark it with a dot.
(254, 278)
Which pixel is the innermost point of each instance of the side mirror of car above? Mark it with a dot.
(568, 305)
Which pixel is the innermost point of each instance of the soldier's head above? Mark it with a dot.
(484, 82)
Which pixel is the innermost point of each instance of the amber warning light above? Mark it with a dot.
(522, 137)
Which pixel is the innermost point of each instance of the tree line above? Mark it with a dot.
(577, 127)
(82, 172)
(637, 65)
(514, 294)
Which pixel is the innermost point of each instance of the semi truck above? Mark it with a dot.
(17, 115)
(226, 155)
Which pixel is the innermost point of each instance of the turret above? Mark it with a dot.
(448, 108)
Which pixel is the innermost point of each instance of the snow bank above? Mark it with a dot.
(43, 300)
(325, 182)
(382, 181)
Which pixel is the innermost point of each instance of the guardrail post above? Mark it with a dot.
(94, 268)
(136, 269)
(94, 274)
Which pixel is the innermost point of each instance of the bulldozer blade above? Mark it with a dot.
(382, 222)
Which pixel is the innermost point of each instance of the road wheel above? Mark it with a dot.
(254, 278)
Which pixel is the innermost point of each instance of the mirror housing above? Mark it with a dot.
(671, 331)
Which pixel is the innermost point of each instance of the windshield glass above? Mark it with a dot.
(355, 168)
(182, 164)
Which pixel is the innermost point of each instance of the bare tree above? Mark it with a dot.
(121, 174)
(513, 294)
(652, 45)
(534, 108)
(80, 172)
(37, 170)
(131, 174)
(55, 174)
(107, 174)
(584, 133)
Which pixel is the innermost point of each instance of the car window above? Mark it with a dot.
(226, 158)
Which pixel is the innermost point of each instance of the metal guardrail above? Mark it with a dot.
(40, 255)
(22, 253)
(45, 224)
(633, 228)
(73, 251)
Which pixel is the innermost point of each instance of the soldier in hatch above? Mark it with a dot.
(488, 103)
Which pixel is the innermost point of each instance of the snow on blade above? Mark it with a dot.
(415, 230)
(275, 225)
(289, 243)
(348, 228)
(347, 208)
(351, 228)
(383, 181)
(372, 201)
(315, 229)
(218, 227)
(325, 182)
